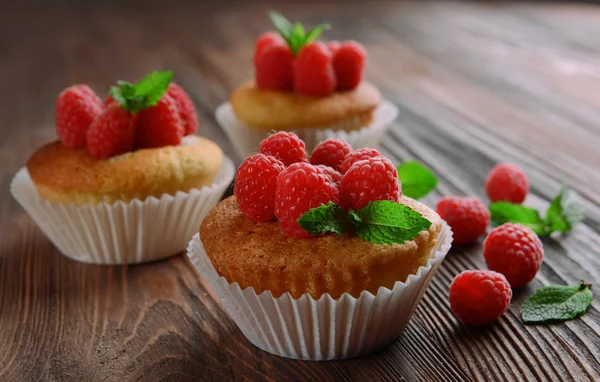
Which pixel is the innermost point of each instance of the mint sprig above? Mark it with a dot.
(565, 211)
(380, 222)
(143, 94)
(556, 303)
(416, 179)
(294, 34)
(329, 218)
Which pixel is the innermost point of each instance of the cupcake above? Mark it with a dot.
(127, 181)
(301, 85)
(316, 264)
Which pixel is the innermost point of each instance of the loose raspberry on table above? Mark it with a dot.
(515, 251)
(349, 64)
(159, 125)
(111, 133)
(369, 180)
(264, 40)
(331, 152)
(75, 110)
(313, 72)
(187, 110)
(255, 185)
(274, 67)
(355, 156)
(467, 216)
(286, 147)
(301, 187)
(479, 297)
(507, 182)
(335, 176)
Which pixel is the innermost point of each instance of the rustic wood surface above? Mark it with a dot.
(476, 84)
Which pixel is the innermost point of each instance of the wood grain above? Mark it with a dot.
(476, 83)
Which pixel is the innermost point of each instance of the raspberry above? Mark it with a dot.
(109, 101)
(333, 46)
(369, 180)
(286, 147)
(479, 297)
(301, 187)
(76, 109)
(506, 182)
(186, 108)
(313, 72)
(159, 125)
(111, 133)
(334, 175)
(255, 185)
(274, 67)
(349, 64)
(467, 216)
(264, 40)
(515, 251)
(330, 152)
(355, 156)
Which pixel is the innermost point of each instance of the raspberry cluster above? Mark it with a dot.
(108, 128)
(282, 183)
(317, 70)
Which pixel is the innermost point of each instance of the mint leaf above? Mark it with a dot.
(556, 303)
(416, 179)
(324, 219)
(504, 212)
(146, 93)
(283, 26)
(387, 222)
(565, 211)
(315, 32)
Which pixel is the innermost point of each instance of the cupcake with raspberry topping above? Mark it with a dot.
(298, 251)
(301, 85)
(127, 181)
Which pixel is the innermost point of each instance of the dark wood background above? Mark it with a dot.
(476, 84)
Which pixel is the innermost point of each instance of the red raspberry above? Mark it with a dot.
(255, 185)
(369, 180)
(335, 176)
(313, 73)
(467, 216)
(349, 64)
(334, 46)
(159, 125)
(301, 187)
(515, 251)
(331, 152)
(109, 101)
(355, 156)
(187, 110)
(76, 109)
(274, 67)
(286, 147)
(507, 182)
(111, 133)
(479, 297)
(264, 40)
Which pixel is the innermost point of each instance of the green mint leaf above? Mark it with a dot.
(325, 219)
(416, 179)
(146, 93)
(565, 211)
(387, 222)
(315, 32)
(556, 303)
(283, 26)
(505, 212)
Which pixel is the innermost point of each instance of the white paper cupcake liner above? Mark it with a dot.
(122, 233)
(326, 328)
(245, 141)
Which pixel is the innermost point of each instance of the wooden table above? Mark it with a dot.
(476, 84)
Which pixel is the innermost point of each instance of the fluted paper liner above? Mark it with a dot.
(326, 328)
(245, 140)
(122, 233)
